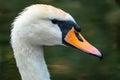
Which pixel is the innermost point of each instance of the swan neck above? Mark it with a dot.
(30, 62)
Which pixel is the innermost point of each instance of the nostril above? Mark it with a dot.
(78, 36)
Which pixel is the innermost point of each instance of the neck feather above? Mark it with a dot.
(30, 62)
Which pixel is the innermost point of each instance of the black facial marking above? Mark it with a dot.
(65, 26)
(78, 36)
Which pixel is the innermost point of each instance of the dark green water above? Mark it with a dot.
(100, 23)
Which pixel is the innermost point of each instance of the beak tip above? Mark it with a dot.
(97, 54)
(101, 56)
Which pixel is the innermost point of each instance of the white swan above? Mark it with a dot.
(40, 25)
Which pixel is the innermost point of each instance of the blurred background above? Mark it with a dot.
(100, 23)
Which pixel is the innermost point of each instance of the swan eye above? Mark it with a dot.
(54, 21)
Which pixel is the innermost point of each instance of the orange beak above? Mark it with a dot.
(75, 39)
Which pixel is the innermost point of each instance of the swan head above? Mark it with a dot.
(46, 25)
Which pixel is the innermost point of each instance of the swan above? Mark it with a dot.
(44, 25)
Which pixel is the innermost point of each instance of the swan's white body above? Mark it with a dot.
(31, 30)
